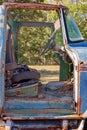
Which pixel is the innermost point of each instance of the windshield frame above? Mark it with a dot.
(67, 33)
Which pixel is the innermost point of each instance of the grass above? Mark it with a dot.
(48, 72)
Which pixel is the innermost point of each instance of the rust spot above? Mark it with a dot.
(79, 104)
(76, 68)
(41, 129)
(19, 92)
(36, 88)
(33, 6)
(2, 128)
(5, 51)
(3, 66)
(83, 68)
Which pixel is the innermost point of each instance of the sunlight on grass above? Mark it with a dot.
(48, 72)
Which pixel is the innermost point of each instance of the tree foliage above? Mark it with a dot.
(79, 12)
(31, 40)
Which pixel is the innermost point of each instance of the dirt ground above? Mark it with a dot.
(48, 72)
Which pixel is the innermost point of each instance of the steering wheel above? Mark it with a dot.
(50, 44)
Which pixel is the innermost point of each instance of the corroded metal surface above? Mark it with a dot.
(2, 54)
(83, 68)
(81, 52)
(29, 90)
(48, 107)
(45, 107)
(33, 6)
(83, 90)
(37, 125)
(2, 128)
(39, 104)
(21, 117)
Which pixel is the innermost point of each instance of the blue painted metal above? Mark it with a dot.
(81, 49)
(77, 51)
(79, 44)
(36, 24)
(39, 104)
(83, 91)
(2, 54)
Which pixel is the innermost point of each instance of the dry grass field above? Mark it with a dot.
(48, 72)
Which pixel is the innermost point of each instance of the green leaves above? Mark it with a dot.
(31, 41)
(79, 12)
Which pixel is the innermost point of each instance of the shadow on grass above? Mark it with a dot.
(48, 72)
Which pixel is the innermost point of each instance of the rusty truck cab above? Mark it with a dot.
(26, 102)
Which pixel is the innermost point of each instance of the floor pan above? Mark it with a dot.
(52, 101)
(38, 108)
